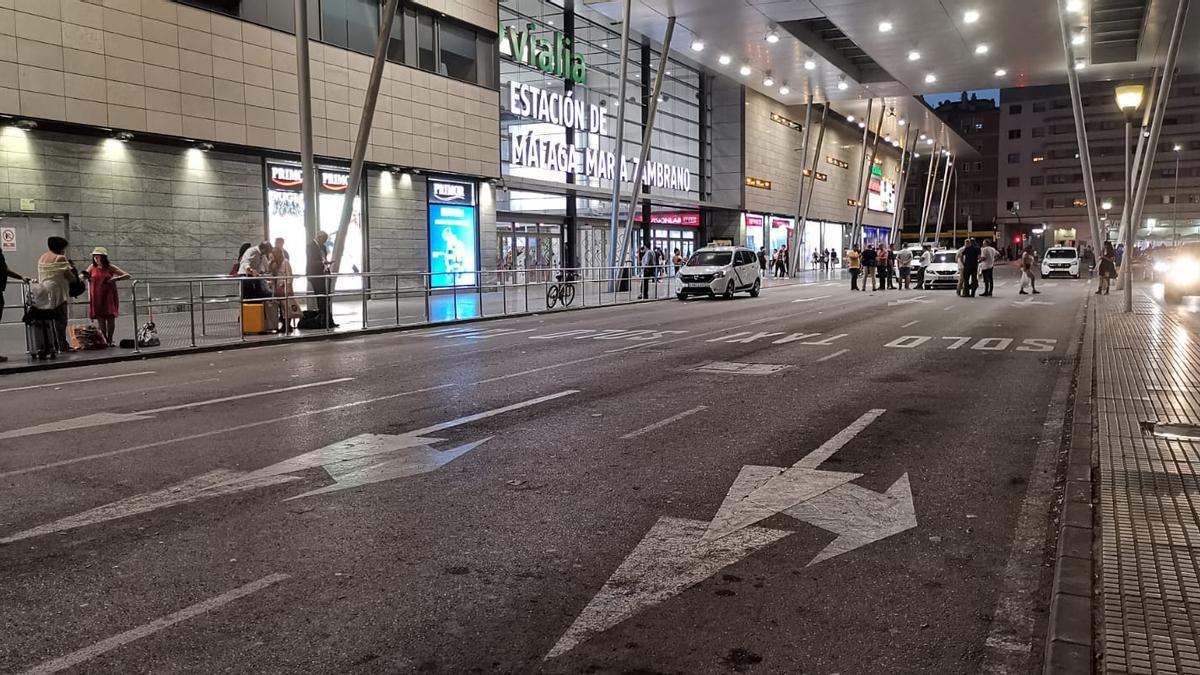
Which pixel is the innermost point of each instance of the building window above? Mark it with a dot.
(1039, 132)
(457, 52)
(979, 166)
(966, 167)
(426, 48)
(1039, 107)
(1168, 199)
(1015, 158)
(1079, 203)
(353, 24)
(1010, 206)
(1037, 157)
(979, 126)
(978, 188)
(277, 14)
(1014, 134)
(1014, 182)
(1035, 203)
(1014, 109)
(1036, 180)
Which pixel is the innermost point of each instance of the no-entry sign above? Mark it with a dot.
(8, 238)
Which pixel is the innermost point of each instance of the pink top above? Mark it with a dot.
(102, 292)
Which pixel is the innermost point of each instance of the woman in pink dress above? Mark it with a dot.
(103, 303)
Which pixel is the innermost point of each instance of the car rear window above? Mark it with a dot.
(707, 258)
(1062, 253)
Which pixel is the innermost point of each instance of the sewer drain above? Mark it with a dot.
(734, 368)
(1179, 432)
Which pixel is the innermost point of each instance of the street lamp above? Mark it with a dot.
(1175, 199)
(1129, 99)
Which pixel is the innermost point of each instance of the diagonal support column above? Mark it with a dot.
(861, 207)
(623, 77)
(795, 241)
(364, 132)
(636, 191)
(304, 96)
(812, 179)
(906, 150)
(930, 180)
(1085, 153)
(949, 164)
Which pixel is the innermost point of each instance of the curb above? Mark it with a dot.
(1069, 632)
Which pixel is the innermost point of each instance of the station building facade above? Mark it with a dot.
(168, 132)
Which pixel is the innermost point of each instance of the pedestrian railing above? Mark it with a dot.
(211, 310)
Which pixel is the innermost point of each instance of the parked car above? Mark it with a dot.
(720, 270)
(1060, 260)
(942, 270)
(1178, 270)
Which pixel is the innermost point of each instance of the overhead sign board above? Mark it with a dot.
(555, 56)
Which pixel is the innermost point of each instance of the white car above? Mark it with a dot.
(1060, 260)
(942, 270)
(720, 270)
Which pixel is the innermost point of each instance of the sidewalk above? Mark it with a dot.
(1147, 580)
(219, 326)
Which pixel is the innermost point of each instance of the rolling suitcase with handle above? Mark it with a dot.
(40, 336)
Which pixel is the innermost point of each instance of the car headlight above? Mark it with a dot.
(718, 274)
(1162, 266)
(1186, 271)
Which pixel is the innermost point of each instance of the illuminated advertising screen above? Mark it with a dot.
(881, 194)
(285, 218)
(453, 234)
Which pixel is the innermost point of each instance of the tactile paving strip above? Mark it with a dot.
(1147, 368)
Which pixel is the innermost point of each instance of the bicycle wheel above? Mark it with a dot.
(568, 295)
(552, 295)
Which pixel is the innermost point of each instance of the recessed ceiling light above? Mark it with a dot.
(885, 26)
(809, 64)
(887, 138)
(1000, 72)
(849, 118)
(724, 59)
(928, 141)
(895, 144)
(916, 154)
(784, 90)
(124, 136)
(1074, 5)
(914, 55)
(901, 121)
(862, 125)
(768, 81)
(970, 16)
(744, 70)
(773, 36)
(606, 45)
(930, 78)
(697, 44)
(1078, 36)
(842, 85)
(981, 49)
(923, 137)
(1080, 64)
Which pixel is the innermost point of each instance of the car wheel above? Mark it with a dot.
(1074, 276)
(681, 295)
(729, 290)
(754, 289)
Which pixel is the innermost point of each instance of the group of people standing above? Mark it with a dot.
(778, 262)
(884, 266)
(267, 275)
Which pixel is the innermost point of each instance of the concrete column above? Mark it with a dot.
(1085, 154)
(623, 75)
(304, 94)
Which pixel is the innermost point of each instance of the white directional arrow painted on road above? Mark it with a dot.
(678, 553)
(819, 297)
(360, 460)
(909, 301)
(1030, 301)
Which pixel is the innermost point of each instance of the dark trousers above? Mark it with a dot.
(868, 273)
(920, 277)
(903, 277)
(854, 279)
(885, 277)
(320, 288)
(60, 327)
(645, 286)
(987, 281)
(970, 279)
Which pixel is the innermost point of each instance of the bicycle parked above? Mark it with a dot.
(562, 291)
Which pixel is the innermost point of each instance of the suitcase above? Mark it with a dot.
(40, 339)
(254, 319)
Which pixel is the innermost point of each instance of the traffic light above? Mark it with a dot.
(1017, 239)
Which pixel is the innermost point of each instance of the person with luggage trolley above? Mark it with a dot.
(5, 275)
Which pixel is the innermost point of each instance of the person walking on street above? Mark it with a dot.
(5, 275)
(646, 257)
(833, 257)
(970, 258)
(762, 262)
(103, 301)
(854, 259)
(987, 264)
(868, 267)
(783, 260)
(1028, 263)
(904, 259)
(1108, 268)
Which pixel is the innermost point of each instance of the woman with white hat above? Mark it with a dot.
(103, 302)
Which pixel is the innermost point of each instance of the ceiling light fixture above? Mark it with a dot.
(744, 70)
(25, 125)
(809, 64)
(923, 137)
(901, 121)
(930, 78)
(970, 16)
(916, 154)
(928, 141)
(724, 59)
(885, 26)
(204, 147)
(773, 36)
(697, 44)
(914, 55)
(1080, 64)
(124, 136)
(862, 125)
(849, 118)
(1078, 36)
(981, 49)
(784, 89)
(1074, 6)
(843, 85)
(768, 81)
(1000, 72)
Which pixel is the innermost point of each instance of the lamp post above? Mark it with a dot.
(1175, 198)
(1129, 99)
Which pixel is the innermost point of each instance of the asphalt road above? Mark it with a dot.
(148, 525)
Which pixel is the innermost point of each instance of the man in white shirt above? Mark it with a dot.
(903, 263)
(987, 263)
(254, 264)
(926, 258)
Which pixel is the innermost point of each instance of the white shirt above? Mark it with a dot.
(252, 259)
(926, 258)
(987, 258)
(904, 257)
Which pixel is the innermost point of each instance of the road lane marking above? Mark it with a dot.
(663, 423)
(814, 459)
(108, 418)
(490, 413)
(910, 323)
(819, 297)
(827, 341)
(834, 355)
(947, 308)
(89, 379)
(141, 390)
(121, 639)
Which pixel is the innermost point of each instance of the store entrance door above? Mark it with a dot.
(24, 243)
(531, 251)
